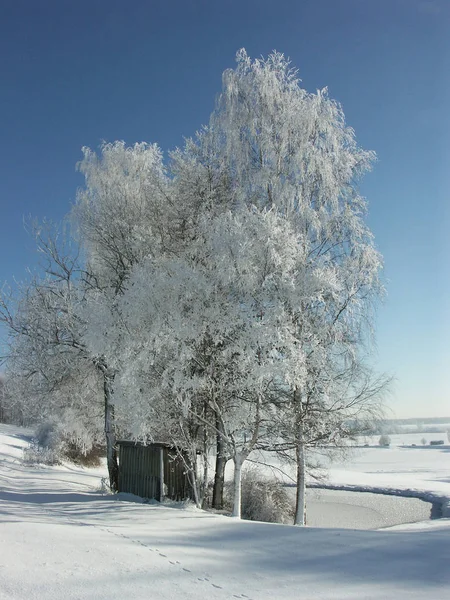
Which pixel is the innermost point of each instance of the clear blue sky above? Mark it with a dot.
(76, 73)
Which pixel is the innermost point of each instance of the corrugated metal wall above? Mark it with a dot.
(140, 470)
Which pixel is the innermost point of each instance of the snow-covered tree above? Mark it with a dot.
(271, 146)
(207, 328)
(384, 441)
(2, 397)
(226, 296)
(51, 374)
(123, 212)
(121, 215)
(243, 279)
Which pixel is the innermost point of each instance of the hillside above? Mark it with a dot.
(60, 538)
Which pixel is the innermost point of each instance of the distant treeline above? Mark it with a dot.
(421, 421)
(415, 425)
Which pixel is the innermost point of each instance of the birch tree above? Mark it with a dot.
(51, 377)
(2, 398)
(233, 289)
(272, 151)
(207, 328)
(282, 149)
(121, 215)
(51, 371)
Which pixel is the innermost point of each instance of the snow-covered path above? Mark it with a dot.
(60, 540)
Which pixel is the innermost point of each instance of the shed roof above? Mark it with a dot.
(145, 445)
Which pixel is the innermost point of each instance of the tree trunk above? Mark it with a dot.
(221, 461)
(237, 486)
(300, 501)
(194, 479)
(204, 486)
(111, 450)
(194, 485)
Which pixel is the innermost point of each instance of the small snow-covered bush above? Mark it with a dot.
(87, 458)
(46, 447)
(54, 443)
(262, 499)
(49, 435)
(384, 441)
(40, 455)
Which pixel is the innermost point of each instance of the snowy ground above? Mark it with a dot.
(60, 539)
(363, 510)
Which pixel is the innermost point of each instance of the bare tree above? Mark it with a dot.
(49, 364)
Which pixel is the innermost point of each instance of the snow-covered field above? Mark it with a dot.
(61, 539)
(402, 469)
(417, 471)
(363, 510)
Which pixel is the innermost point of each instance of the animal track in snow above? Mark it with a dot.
(172, 562)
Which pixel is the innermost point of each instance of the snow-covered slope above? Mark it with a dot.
(62, 540)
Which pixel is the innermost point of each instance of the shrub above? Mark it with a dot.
(53, 444)
(262, 499)
(88, 458)
(384, 441)
(49, 435)
(40, 455)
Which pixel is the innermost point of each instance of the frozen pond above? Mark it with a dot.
(362, 510)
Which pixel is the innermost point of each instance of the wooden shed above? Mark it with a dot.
(153, 471)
